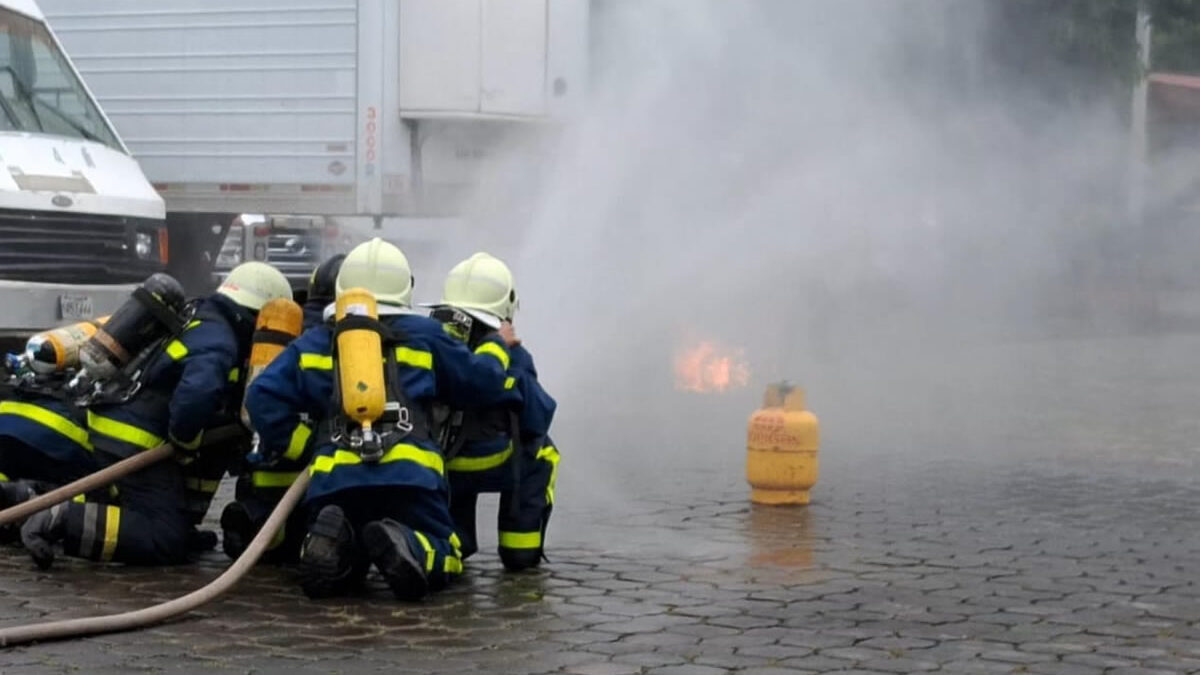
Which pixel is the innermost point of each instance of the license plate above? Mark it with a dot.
(75, 307)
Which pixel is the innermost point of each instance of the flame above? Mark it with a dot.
(710, 367)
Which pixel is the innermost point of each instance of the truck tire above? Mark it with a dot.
(195, 241)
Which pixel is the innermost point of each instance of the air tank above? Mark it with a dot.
(148, 315)
(279, 322)
(360, 361)
(57, 350)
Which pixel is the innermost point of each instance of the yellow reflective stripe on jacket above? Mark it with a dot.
(417, 358)
(47, 418)
(510, 382)
(398, 453)
(122, 431)
(493, 349)
(550, 454)
(274, 479)
(452, 565)
(201, 484)
(235, 375)
(481, 463)
(311, 361)
(428, 551)
(520, 540)
(4, 478)
(456, 543)
(192, 324)
(112, 525)
(298, 441)
(176, 349)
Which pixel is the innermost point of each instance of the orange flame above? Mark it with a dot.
(710, 367)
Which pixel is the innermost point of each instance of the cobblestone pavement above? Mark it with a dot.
(1024, 550)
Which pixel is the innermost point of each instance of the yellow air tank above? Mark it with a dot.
(360, 361)
(781, 445)
(57, 350)
(279, 322)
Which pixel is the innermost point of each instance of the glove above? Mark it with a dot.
(256, 459)
(186, 453)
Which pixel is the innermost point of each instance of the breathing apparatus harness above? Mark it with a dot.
(22, 382)
(457, 427)
(127, 382)
(371, 412)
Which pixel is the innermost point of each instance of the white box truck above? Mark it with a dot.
(328, 108)
(79, 221)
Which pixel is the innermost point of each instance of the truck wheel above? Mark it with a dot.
(195, 241)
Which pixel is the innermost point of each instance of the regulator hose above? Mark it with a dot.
(113, 623)
(108, 475)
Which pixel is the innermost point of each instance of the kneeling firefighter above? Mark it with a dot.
(43, 435)
(260, 486)
(497, 449)
(378, 493)
(189, 382)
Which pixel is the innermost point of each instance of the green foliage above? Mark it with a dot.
(1086, 49)
(1075, 51)
(1176, 35)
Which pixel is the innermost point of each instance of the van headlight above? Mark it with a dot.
(143, 245)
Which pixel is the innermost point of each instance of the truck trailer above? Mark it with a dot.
(328, 111)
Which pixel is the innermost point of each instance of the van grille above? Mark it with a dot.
(54, 247)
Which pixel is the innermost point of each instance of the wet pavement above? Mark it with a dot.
(1046, 524)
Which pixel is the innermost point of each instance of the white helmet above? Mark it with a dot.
(482, 283)
(381, 268)
(254, 284)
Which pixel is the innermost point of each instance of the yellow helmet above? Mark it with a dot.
(482, 283)
(381, 268)
(254, 284)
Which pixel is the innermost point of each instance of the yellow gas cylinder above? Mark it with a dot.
(58, 349)
(360, 360)
(279, 322)
(781, 448)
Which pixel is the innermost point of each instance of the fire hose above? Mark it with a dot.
(108, 475)
(113, 623)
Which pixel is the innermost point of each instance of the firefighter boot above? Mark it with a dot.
(15, 492)
(237, 529)
(42, 532)
(388, 547)
(327, 556)
(11, 494)
(201, 541)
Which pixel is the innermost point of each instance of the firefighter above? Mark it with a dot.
(384, 504)
(491, 450)
(43, 443)
(260, 486)
(188, 385)
(321, 290)
(43, 436)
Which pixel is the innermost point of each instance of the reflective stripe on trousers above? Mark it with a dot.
(402, 452)
(93, 528)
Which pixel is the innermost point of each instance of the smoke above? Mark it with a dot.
(856, 193)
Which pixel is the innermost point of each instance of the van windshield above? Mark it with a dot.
(39, 91)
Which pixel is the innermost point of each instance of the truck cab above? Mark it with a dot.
(78, 219)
